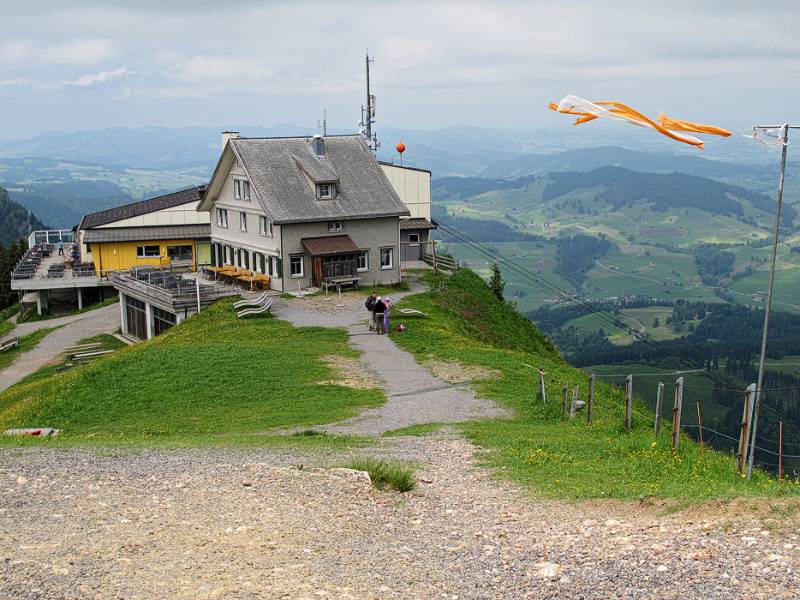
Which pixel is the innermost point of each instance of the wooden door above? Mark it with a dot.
(316, 269)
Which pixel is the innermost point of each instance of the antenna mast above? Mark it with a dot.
(368, 114)
(324, 123)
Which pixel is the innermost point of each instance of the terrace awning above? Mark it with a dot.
(331, 244)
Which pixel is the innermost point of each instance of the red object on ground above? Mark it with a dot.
(401, 327)
(401, 147)
(35, 432)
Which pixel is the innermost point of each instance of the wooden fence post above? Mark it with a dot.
(590, 406)
(564, 393)
(659, 404)
(541, 385)
(629, 403)
(676, 413)
(744, 432)
(699, 422)
(574, 402)
(780, 450)
(433, 250)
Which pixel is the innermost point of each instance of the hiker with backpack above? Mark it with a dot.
(370, 304)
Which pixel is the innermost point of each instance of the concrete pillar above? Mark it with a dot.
(80, 299)
(41, 302)
(148, 320)
(123, 315)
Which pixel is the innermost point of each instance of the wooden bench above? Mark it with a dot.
(5, 346)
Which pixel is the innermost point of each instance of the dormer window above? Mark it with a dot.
(241, 189)
(326, 191)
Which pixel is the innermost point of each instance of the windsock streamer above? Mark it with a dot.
(589, 111)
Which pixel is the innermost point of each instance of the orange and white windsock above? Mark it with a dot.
(588, 111)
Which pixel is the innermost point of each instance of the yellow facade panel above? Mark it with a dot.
(121, 256)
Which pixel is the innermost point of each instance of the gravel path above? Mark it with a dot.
(415, 396)
(29, 327)
(252, 524)
(75, 328)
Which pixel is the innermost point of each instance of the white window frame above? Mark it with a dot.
(335, 226)
(264, 226)
(222, 218)
(241, 189)
(390, 249)
(144, 254)
(243, 222)
(292, 258)
(331, 193)
(365, 254)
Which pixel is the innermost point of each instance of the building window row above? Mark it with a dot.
(148, 251)
(387, 258)
(264, 226)
(222, 218)
(241, 189)
(224, 254)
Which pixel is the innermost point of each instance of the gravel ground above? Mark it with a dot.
(73, 329)
(253, 524)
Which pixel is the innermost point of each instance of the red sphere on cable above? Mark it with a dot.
(401, 147)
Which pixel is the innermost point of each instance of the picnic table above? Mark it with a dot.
(216, 271)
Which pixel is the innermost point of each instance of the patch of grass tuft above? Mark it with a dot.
(395, 475)
(415, 430)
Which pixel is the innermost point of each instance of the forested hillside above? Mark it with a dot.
(663, 191)
(15, 220)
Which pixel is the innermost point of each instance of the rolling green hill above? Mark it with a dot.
(62, 191)
(653, 223)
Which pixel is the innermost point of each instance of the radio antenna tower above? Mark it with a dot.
(324, 123)
(368, 115)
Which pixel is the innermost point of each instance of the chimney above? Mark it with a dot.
(228, 135)
(318, 145)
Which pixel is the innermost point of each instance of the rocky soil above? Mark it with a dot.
(268, 524)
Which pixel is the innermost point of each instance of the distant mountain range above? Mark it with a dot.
(459, 150)
(61, 176)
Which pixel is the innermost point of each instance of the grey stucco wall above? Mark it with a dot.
(415, 251)
(367, 234)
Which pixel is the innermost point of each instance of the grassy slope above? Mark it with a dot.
(555, 459)
(213, 379)
(107, 342)
(26, 342)
(5, 314)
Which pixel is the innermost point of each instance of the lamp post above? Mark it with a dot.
(783, 140)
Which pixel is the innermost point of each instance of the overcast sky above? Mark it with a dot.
(83, 64)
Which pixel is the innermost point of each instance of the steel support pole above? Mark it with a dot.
(784, 135)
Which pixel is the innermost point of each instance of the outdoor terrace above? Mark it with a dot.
(168, 290)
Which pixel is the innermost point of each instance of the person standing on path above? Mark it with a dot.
(370, 304)
(60, 247)
(378, 311)
(387, 304)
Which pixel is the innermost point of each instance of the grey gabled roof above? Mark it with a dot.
(147, 234)
(416, 224)
(143, 207)
(279, 170)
